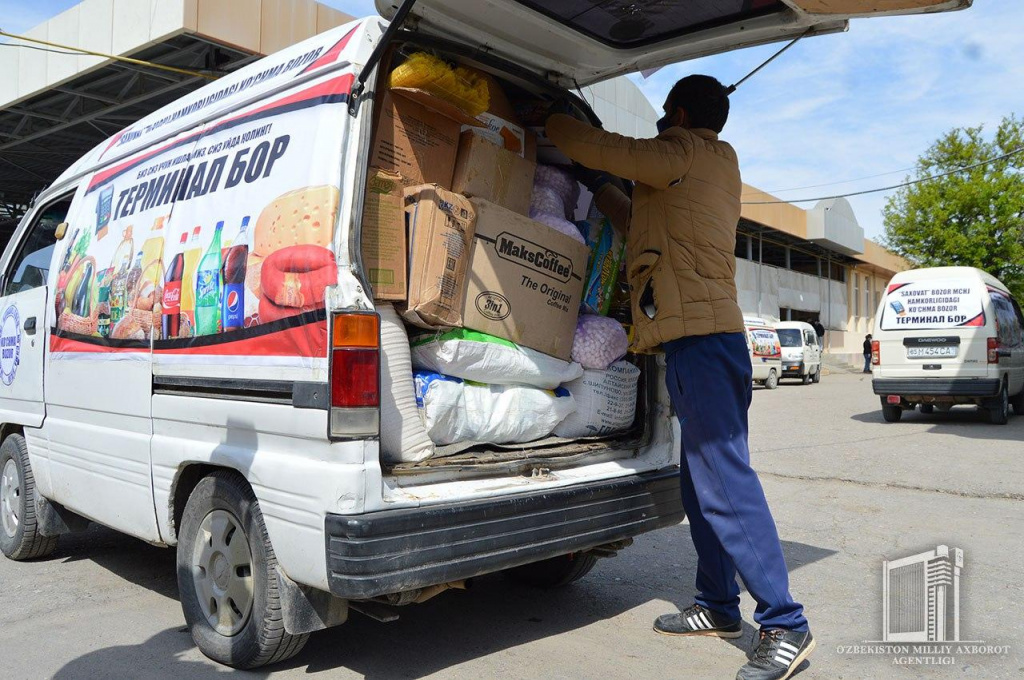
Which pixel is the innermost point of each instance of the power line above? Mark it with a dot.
(830, 184)
(127, 60)
(894, 186)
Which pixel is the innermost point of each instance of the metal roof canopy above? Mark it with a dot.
(42, 135)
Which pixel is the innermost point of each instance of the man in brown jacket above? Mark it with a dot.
(681, 238)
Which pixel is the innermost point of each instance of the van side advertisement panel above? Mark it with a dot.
(218, 242)
(765, 343)
(933, 305)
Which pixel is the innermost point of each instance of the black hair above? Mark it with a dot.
(705, 100)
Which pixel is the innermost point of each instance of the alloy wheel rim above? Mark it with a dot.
(10, 497)
(222, 572)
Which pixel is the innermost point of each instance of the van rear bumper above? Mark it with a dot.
(395, 550)
(938, 387)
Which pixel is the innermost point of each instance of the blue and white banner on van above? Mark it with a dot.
(933, 305)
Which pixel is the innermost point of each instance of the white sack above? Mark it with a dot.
(458, 411)
(483, 358)
(403, 439)
(605, 401)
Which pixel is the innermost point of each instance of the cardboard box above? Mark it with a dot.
(417, 136)
(441, 227)
(501, 132)
(484, 170)
(525, 281)
(383, 235)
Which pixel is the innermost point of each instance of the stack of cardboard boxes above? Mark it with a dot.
(446, 234)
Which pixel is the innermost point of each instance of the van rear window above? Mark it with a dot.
(933, 305)
(643, 22)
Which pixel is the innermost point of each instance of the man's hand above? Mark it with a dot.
(591, 179)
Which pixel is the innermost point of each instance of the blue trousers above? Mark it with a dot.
(732, 528)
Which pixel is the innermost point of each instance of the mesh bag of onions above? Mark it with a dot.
(599, 341)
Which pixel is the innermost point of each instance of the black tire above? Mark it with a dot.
(927, 408)
(772, 381)
(807, 378)
(817, 375)
(19, 532)
(555, 572)
(262, 638)
(891, 412)
(1017, 403)
(999, 411)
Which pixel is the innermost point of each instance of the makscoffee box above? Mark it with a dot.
(525, 281)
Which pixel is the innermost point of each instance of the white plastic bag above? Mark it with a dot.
(605, 401)
(599, 341)
(457, 411)
(484, 358)
(403, 439)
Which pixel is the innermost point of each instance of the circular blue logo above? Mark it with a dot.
(10, 344)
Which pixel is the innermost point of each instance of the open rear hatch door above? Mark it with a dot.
(586, 41)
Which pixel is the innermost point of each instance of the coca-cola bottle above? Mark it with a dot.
(233, 274)
(171, 301)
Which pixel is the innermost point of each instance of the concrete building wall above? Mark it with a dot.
(763, 289)
(622, 107)
(124, 27)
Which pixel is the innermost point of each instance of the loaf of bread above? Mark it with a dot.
(300, 217)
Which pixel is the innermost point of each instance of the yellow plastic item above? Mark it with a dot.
(460, 86)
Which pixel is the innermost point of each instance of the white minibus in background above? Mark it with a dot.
(945, 336)
(801, 354)
(765, 351)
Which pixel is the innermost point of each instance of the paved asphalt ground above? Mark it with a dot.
(847, 491)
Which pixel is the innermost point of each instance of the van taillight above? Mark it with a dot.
(993, 350)
(355, 374)
(355, 378)
(876, 353)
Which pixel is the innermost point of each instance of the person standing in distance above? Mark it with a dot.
(819, 330)
(867, 353)
(681, 239)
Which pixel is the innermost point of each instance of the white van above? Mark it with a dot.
(801, 353)
(249, 437)
(947, 336)
(765, 351)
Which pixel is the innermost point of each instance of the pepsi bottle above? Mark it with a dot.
(233, 303)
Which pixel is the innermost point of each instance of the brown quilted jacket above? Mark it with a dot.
(681, 224)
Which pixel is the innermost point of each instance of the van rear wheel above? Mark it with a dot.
(891, 412)
(772, 381)
(1017, 403)
(226, 577)
(999, 411)
(817, 375)
(19, 533)
(555, 572)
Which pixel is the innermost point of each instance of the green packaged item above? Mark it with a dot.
(607, 248)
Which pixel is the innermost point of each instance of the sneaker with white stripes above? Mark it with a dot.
(698, 620)
(779, 652)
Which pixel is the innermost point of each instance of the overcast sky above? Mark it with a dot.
(833, 108)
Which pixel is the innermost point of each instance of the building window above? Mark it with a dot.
(773, 254)
(802, 262)
(741, 246)
(837, 272)
(856, 295)
(868, 310)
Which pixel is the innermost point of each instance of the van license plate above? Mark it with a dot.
(928, 352)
